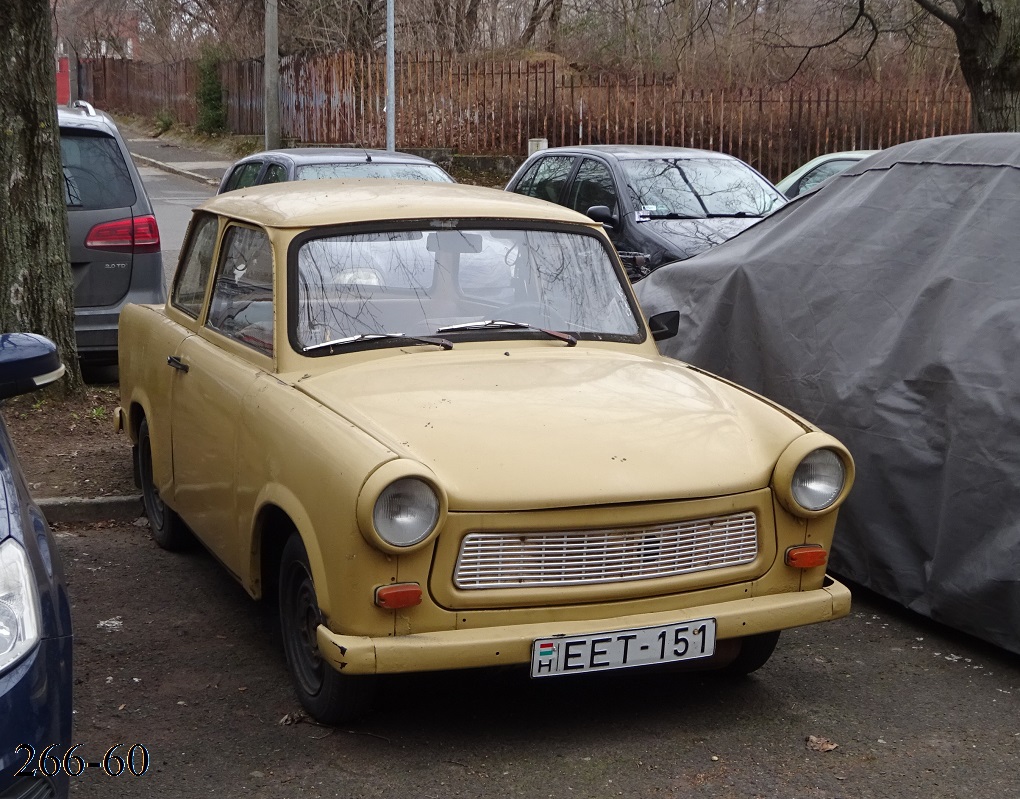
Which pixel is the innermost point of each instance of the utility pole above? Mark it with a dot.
(391, 90)
(271, 98)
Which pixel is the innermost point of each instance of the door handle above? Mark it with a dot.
(176, 363)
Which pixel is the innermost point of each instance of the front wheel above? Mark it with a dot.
(166, 527)
(327, 695)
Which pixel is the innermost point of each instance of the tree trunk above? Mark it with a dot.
(555, 10)
(467, 27)
(35, 274)
(538, 10)
(988, 39)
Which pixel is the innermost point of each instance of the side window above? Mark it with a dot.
(275, 173)
(593, 185)
(546, 177)
(195, 266)
(243, 176)
(821, 173)
(242, 299)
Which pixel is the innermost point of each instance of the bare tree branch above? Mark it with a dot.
(940, 13)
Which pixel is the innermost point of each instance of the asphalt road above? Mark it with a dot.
(172, 654)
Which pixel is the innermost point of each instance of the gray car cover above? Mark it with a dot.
(885, 308)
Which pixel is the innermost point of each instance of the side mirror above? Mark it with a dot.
(664, 325)
(601, 213)
(27, 362)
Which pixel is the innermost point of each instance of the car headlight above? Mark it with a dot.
(818, 480)
(813, 475)
(19, 604)
(406, 512)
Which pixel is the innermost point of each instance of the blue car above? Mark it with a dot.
(35, 616)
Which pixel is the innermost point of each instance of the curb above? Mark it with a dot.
(77, 510)
(174, 169)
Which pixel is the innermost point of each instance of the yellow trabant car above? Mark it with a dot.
(430, 422)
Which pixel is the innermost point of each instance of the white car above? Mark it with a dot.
(820, 169)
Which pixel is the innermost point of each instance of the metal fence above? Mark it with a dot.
(495, 107)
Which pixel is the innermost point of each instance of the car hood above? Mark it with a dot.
(550, 427)
(688, 237)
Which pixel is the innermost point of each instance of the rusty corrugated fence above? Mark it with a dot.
(494, 107)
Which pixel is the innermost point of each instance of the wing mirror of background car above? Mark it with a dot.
(27, 362)
(664, 325)
(601, 213)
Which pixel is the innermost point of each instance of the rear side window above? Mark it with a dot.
(96, 174)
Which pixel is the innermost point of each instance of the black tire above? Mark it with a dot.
(329, 696)
(755, 651)
(165, 525)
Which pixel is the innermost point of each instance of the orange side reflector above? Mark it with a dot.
(806, 557)
(400, 595)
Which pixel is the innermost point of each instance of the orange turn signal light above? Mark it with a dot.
(398, 595)
(807, 556)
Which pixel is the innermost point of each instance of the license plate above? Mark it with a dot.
(623, 649)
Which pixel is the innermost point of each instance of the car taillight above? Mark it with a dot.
(140, 234)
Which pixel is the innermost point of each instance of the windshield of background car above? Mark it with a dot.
(366, 169)
(96, 175)
(417, 282)
(698, 187)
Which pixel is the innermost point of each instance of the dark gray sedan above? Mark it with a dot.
(312, 163)
(658, 204)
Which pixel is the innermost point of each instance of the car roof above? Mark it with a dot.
(625, 152)
(336, 155)
(86, 117)
(845, 155)
(335, 201)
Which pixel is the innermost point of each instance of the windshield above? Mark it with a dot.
(698, 187)
(420, 282)
(372, 169)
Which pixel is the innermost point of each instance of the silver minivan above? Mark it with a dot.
(112, 231)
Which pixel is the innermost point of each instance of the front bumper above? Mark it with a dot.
(35, 695)
(511, 644)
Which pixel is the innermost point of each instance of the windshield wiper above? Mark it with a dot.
(446, 344)
(736, 215)
(671, 215)
(495, 324)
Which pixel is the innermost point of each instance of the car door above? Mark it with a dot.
(219, 367)
(594, 184)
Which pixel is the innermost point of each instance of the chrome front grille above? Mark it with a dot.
(589, 557)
